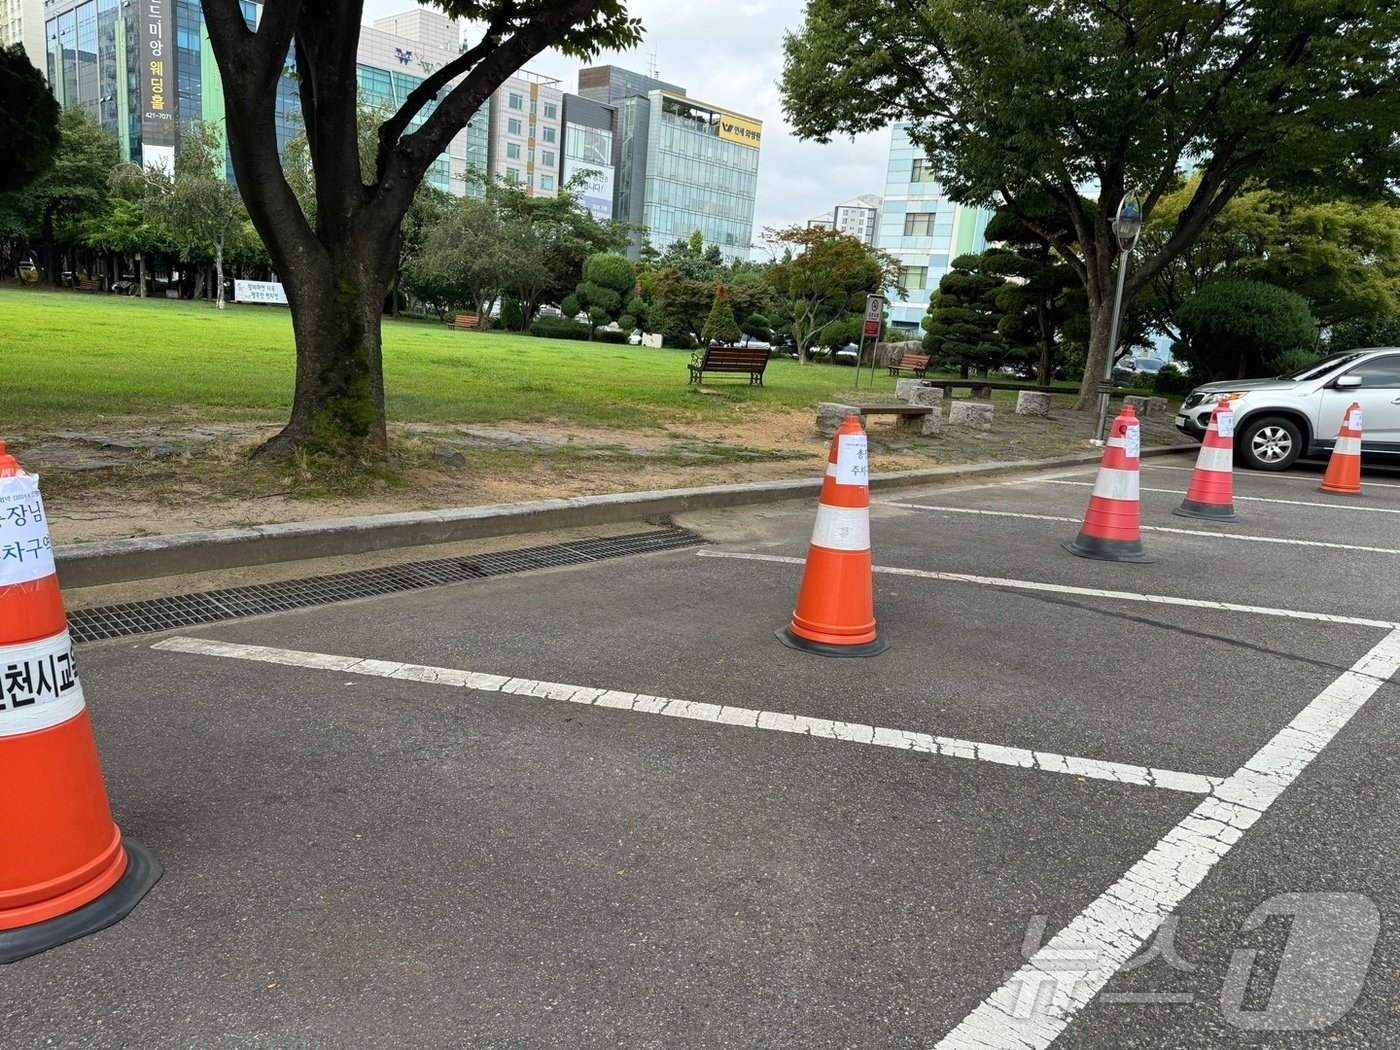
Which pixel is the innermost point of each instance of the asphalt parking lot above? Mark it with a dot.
(1075, 803)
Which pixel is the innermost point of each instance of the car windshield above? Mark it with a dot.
(1321, 368)
(1148, 364)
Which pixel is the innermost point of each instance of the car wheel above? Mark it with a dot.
(1272, 443)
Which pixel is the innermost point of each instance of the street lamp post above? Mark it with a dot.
(1127, 225)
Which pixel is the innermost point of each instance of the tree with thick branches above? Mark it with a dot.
(1111, 96)
(338, 265)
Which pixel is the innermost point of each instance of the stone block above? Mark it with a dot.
(974, 414)
(928, 395)
(830, 416)
(1137, 404)
(1157, 406)
(932, 425)
(904, 389)
(1032, 403)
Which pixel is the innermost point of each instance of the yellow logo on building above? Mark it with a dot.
(739, 129)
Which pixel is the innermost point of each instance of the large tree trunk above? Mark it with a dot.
(336, 300)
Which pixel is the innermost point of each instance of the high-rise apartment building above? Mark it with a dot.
(859, 217)
(22, 22)
(681, 164)
(526, 116)
(922, 228)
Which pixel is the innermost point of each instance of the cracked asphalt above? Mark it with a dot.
(654, 826)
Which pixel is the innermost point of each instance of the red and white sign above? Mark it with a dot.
(874, 311)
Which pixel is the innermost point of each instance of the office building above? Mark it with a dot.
(142, 77)
(588, 151)
(22, 22)
(681, 164)
(922, 228)
(859, 217)
(525, 131)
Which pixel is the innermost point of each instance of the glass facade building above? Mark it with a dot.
(681, 165)
(922, 228)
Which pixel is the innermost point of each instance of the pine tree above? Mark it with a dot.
(721, 326)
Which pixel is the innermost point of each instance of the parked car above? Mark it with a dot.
(1277, 420)
(1147, 364)
(846, 355)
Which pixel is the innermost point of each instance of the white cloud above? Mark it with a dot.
(731, 55)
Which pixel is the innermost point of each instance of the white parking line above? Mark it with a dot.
(1090, 592)
(802, 725)
(1313, 480)
(1251, 499)
(1149, 528)
(1110, 931)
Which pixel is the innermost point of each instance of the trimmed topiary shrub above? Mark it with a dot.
(558, 328)
(1171, 380)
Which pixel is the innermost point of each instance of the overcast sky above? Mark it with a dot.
(731, 54)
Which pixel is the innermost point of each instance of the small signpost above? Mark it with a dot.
(874, 318)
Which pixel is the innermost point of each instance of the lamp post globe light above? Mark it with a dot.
(1127, 226)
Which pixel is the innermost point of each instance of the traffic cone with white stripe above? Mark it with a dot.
(1211, 493)
(1343, 475)
(1112, 524)
(835, 614)
(65, 869)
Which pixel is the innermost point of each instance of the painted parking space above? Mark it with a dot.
(603, 805)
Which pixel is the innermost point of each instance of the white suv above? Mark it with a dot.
(1278, 420)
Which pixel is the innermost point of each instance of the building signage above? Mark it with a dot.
(157, 75)
(597, 193)
(259, 292)
(874, 310)
(740, 129)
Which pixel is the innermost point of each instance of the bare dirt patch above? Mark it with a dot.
(144, 478)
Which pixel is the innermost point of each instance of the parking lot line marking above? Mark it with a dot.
(1110, 931)
(1269, 475)
(1090, 592)
(778, 721)
(1251, 499)
(1152, 528)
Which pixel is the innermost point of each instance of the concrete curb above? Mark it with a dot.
(120, 561)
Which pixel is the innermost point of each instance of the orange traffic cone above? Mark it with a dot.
(1344, 468)
(65, 870)
(1211, 493)
(835, 614)
(1112, 525)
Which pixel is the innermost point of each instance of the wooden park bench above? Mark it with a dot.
(745, 360)
(916, 364)
(462, 322)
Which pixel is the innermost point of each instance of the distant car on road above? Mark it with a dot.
(847, 355)
(1277, 420)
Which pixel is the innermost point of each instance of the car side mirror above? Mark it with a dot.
(1347, 382)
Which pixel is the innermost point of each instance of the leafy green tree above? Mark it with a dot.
(337, 267)
(1342, 256)
(462, 263)
(721, 327)
(1236, 329)
(604, 292)
(28, 120)
(1363, 332)
(823, 277)
(962, 319)
(198, 207)
(1008, 98)
(72, 190)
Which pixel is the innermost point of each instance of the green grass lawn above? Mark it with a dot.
(73, 357)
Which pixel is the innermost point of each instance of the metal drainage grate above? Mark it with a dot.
(189, 610)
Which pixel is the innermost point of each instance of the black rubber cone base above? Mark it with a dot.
(142, 872)
(1083, 546)
(1191, 508)
(793, 641)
